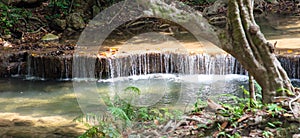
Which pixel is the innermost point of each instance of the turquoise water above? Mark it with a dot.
(63, 98)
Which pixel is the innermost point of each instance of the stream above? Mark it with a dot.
(39, 98)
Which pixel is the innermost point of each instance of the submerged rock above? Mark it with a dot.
(41, 127)
(19, 122)
(5, 123)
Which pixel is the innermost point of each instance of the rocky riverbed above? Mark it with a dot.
(15, 125)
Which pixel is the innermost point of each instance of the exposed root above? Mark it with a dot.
(37, 19)
(290, 105)
(38, 30)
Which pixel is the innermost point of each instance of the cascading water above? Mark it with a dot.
(142, 64)
(44, 67)
(291, 63)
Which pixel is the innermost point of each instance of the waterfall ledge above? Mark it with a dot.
(25, 64)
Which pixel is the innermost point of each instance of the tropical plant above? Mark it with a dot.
(122, 110)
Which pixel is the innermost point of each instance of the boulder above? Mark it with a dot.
(75, 21)
(50, 37)
(60, 24)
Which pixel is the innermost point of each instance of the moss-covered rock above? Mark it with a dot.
(50, 37)
(75, 21)
(60, 24)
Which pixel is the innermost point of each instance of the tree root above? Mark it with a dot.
(38, 30)
(290, 105)
(37, 19)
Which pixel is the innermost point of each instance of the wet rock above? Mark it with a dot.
(18, 122)
(5, 123)
(12, 63)
(20, 133)
(75, 21)
(68, 132)
(60, 24)
(50, 37)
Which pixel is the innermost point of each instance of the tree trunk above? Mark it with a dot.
(248, 45)
(252, 88)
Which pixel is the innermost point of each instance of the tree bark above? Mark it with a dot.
(249, 46)
(252, 88)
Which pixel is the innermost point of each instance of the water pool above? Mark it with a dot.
(69, 98)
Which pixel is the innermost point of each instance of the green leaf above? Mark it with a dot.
(288, 92)
(245, 91)
(271, 124)
(119, 113)
(133, 89)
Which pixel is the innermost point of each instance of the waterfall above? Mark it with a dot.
(29, 73)
(291, 63)
(147, 63)
(49, 67)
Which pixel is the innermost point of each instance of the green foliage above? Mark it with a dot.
(227, 135)
(224, 134)
(252, 104)
(199, 105)
(102, 130)
(61, 5)
(288, 92)
(60, 8)
(10, 17)
(133, 89)
(267, 134)
(275, 124)
(120, 109)
(244, 106)
(274, 109)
